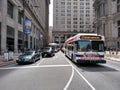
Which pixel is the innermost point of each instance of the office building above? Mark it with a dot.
(71, 17)
(11, 24)
(107, 21)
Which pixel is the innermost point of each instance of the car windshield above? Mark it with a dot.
(28, 53)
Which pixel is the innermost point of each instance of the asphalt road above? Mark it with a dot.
(59, 73)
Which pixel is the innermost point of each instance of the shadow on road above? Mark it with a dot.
(95, 68)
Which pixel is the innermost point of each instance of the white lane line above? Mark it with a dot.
(81, 75)
(112, 67)
(41, 66)
(68, 83)
(48, 66)
(40, 62)
(85, 80)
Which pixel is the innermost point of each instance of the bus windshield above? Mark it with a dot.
(97, 46)
(86, 46)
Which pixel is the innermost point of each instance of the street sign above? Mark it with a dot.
(27, 26)
(41, 36)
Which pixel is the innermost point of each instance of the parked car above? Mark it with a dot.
(48, 51)
(29, 57)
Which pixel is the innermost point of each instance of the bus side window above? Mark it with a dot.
(77, 46)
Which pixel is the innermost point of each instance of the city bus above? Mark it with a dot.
(55, 46)
(85, 48)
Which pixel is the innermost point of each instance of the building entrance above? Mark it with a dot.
(10, 44)
(10, 38)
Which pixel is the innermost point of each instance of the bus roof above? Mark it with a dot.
(77, 37)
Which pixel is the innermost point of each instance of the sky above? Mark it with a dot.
(51, 13)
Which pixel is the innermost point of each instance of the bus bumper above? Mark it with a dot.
(91, 61)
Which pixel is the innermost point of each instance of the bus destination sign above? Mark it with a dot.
(90, 37)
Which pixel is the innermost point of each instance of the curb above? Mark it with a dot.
(7, 63)
(113, 59)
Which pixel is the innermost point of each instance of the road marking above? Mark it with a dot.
(47, 66)
(41, 66)
(81, 75)
(40, 62)
(112, 67)
(71, 77)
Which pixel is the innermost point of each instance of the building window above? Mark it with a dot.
(62, 22)
(118, 28)
(20, 38)
(68, 26)
(19, 17)
(104, 29)
(74, 18)
(118, 44)
(62, 3)
(118, 32)
(103, 8)
(69, 3)
(74, 22)
(118, 5)
(62, 14)
(10, 38)
(68, 22)
(87, 3)
(74, 26)
(10, 9)
(118, 1)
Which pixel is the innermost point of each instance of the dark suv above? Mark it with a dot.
(48, 51)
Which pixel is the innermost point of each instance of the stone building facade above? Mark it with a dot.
(107, 21)
(71, 17)
(50, 34)
(11, 24)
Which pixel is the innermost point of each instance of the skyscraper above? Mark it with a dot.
(71, 17)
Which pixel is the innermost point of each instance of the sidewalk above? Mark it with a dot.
(4, 63)
(112, 56)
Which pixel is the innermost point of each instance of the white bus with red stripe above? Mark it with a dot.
(85, 48)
